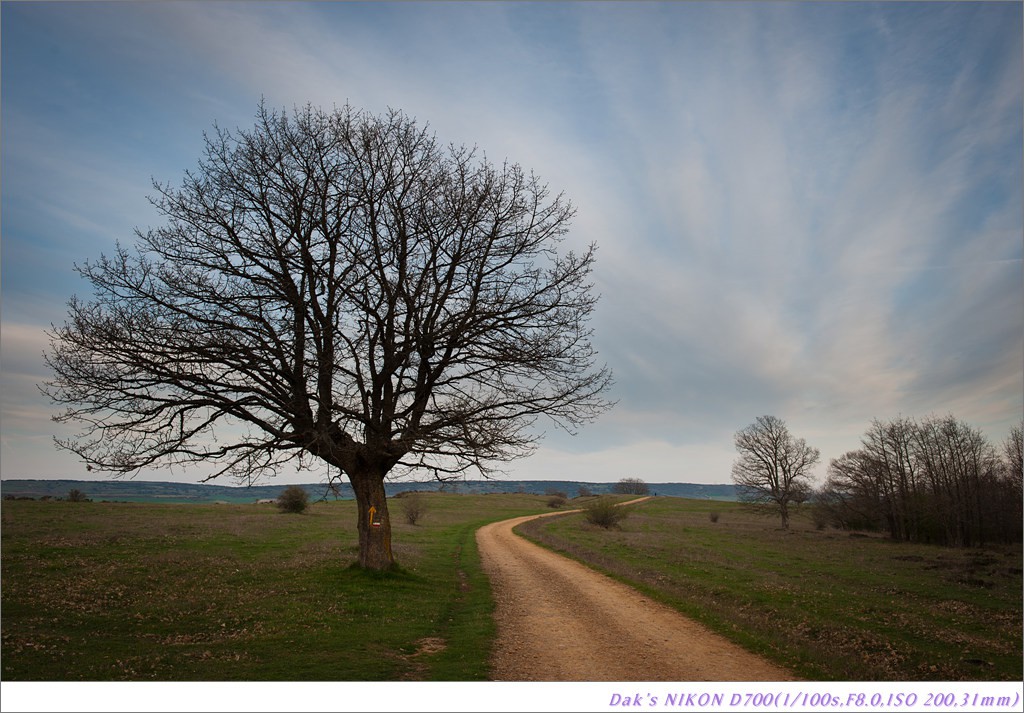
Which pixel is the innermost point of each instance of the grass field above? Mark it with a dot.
(828, 605)
(112, 591)
(115, 591)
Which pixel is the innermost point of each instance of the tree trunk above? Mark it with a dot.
(374, 521)
(784, 514)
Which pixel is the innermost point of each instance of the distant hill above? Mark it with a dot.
(146, 491)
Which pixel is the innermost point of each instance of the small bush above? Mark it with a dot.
(556, 501)
(584, 492)
(76, 496)
(603, 512)
(293, 499)
(713, 516)
(414, 507)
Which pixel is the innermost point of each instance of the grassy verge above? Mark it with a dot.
(828, 605)
(129, 591)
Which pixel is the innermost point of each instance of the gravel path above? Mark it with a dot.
(561, 621)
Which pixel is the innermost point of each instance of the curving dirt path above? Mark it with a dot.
(561, 621)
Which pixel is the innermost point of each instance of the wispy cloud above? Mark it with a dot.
(805, 209)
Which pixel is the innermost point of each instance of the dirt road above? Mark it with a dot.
(561, 621)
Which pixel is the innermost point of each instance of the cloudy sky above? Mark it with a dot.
(806, 209)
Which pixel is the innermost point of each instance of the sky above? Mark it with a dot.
(811, 210)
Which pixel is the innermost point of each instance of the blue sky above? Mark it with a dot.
(806, 209)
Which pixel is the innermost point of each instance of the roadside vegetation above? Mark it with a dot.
(829, 604)
(605, 512)
(132, 591)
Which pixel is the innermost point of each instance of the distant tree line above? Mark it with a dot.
(934, 481)
(74, 495)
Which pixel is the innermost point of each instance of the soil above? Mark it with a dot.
(559, 620)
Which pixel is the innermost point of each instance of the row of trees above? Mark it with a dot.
(937, 480)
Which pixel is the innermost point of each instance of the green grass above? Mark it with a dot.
(827, 605)
(115, 591)
(130, 591)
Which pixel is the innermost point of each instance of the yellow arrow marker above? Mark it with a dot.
(373, 511)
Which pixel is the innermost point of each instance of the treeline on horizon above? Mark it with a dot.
(937, 481)
(162, 491)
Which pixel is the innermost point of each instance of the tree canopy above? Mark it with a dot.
(337, 287)
(773, 466)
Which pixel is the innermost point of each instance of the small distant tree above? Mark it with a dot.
(76, 496)
(603, 512)
(556, 498)
(293, 499)
(631, 486)
(773, 467)
(584, 492)
(413, 507)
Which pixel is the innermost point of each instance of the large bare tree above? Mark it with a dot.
(335, 287)
(773, 467)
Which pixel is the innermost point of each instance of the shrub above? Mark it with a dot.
(713, 516)
(584, 492)
(76, 496)
(413, 506)
(603, 512)
(556, 501)
(293, 499)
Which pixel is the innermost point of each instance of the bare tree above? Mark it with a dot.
(773, 467)
(414, 506)
(958, 468)
(889, 447)
(1013, 464)
(937, 480)
(631, 486)
(852, 496)
(333, 287)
